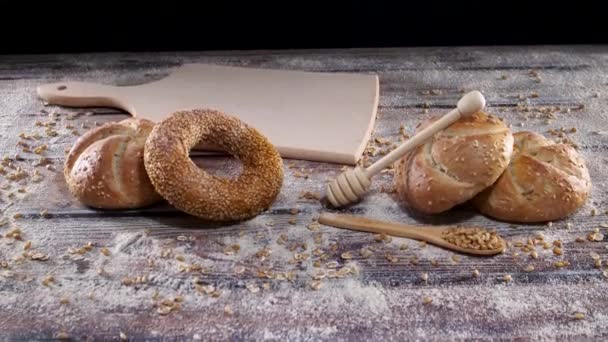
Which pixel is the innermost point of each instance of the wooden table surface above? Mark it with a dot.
(167, 276)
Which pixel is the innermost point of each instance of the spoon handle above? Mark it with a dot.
(374, 226)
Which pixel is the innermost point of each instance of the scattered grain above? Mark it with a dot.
(425, 277)
(316, 285)
(253, 288)
(579, 315)
(347, 255)
(228, 310)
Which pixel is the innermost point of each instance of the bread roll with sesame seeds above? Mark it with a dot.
(544, 182)
(455, 165)
(105, 167)
(192, 190)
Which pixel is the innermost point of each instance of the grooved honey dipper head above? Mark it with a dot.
(348, 187)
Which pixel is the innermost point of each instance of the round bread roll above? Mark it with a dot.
(105, 167)
(544, 181)
(455, 165)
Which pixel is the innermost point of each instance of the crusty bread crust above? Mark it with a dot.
(544, 182)
(105, 167)
(455, 165)
(194, 191)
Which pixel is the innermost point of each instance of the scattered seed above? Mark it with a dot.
(253, 288)
(380, 237)
(46, 281)
(314, 226)
(39, 256)
(365, 253)
(427, 300)
(529, 268)
(392, 258)
(228, 310)
(45, 213)
(331, 264)
(579, 315)
(347, 255)
(316, 285)
(40, 149)
(61, 335)
(476, 273)
(595, 236)
(425, 277)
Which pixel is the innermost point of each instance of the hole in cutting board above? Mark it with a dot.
(62, 87)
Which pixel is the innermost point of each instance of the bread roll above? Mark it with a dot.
(105, 167)
(544, 182)
(455, 165)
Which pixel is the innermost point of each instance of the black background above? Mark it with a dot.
(124, 26)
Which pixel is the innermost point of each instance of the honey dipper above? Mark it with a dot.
(352, 184)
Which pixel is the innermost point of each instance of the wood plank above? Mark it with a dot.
(382, 299)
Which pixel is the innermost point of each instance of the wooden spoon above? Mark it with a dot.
(480, 240)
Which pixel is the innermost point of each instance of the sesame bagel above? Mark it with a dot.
(189, 188)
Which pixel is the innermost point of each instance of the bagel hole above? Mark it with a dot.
(223, 166)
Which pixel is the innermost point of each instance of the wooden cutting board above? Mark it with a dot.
(315, 116)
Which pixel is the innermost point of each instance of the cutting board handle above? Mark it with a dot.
(83, 94)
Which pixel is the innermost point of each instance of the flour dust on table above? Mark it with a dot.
(158, 273)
